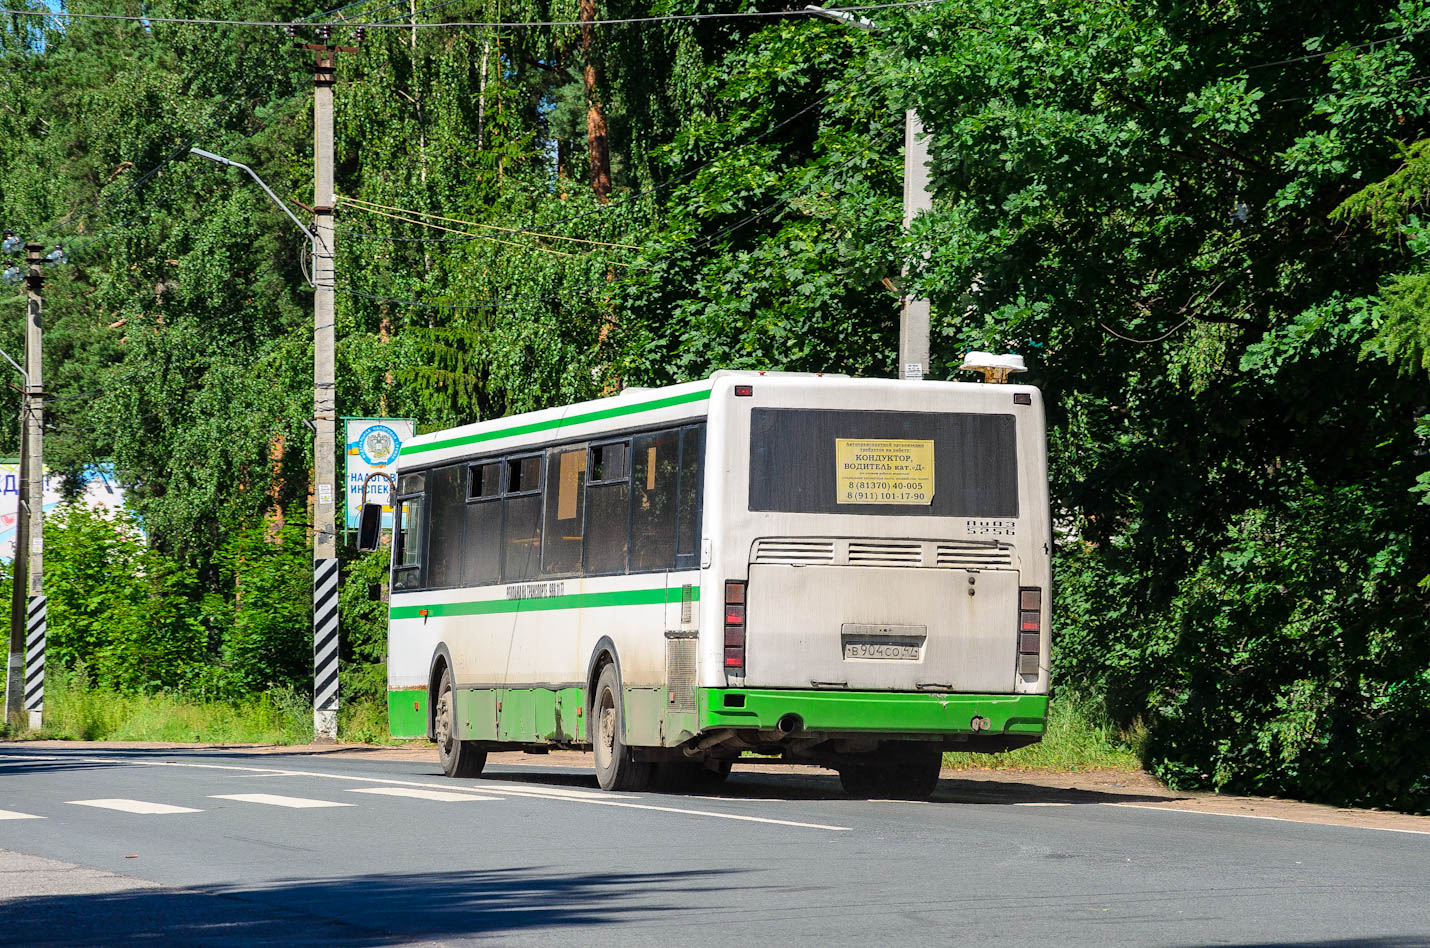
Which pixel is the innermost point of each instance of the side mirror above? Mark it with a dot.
(370, 527)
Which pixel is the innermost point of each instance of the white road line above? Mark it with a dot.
(723, 816)
(135, 806)
(416, 793)
(273, 799)
(483, 786)
(14, 815)
(1042, 804)
(1274, 819)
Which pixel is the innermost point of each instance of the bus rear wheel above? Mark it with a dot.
(459, 758)
(912, 775)
(616, 766)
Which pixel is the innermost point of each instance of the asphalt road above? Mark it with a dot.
(233, 848)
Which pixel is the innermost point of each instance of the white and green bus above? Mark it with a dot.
(846, 572)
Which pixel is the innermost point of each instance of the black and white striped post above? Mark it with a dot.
(325, 648)
(35, 658)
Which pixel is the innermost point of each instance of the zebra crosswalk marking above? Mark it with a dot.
(275, 799)
(143, 807)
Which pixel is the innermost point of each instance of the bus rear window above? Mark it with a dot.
(883, 463)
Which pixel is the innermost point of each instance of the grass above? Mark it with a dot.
(1074, 741)
(79, 711)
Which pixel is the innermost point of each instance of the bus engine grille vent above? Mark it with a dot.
(680, 673)
(971, 556)
(793, 550)
(871, 553)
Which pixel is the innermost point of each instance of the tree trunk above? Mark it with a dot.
(600, 154)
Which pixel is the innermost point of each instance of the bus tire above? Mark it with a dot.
(459, 758)
(913, 775)
(616, 766)
(861, 780)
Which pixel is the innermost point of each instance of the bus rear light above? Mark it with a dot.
(1030, 629)
(744, 391)
(735, 627)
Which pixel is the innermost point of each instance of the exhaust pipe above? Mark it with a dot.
(717, 736)
(787, 725)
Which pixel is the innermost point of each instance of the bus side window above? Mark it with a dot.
(565, 511)
(521, 520)
(692, 471)
(481, 550)
(608, 493)
(445, 527)
(653, 506)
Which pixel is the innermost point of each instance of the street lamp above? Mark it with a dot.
(914, 322)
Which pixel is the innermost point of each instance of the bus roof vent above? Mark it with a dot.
(995, 368)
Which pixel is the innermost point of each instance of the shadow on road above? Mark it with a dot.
(362, 910)
(823, 785)
(747, 783)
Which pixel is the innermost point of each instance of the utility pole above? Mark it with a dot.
(914, 324)
(34, 498)
(325, 416)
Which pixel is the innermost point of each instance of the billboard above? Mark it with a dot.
(372, 448)
(100, 490)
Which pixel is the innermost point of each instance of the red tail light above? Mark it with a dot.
(735, 627)
(1030, 629)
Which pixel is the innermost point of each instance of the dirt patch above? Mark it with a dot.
(1003, 786)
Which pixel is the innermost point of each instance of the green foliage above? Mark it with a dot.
(124, 610)
(268, 641)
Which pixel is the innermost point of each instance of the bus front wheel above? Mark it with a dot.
(459, 758)
(616, 766)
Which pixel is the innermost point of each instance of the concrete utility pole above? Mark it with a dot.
(325, 415)
(34, 497)
(914, 325)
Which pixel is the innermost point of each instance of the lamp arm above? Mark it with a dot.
(312, 236)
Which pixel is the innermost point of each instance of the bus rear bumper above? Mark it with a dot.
(876, 712)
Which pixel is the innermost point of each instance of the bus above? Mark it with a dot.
(851, 573)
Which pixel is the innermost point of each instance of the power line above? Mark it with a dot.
(685, 176)
(1342, 49)
(472, 24)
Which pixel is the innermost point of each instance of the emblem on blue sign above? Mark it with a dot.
(378, 445)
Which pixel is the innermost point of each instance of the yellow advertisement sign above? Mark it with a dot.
(883, 472)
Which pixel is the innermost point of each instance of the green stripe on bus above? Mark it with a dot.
(595, 600)
(599, 414)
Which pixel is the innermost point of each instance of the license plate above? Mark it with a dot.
(882, 651)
